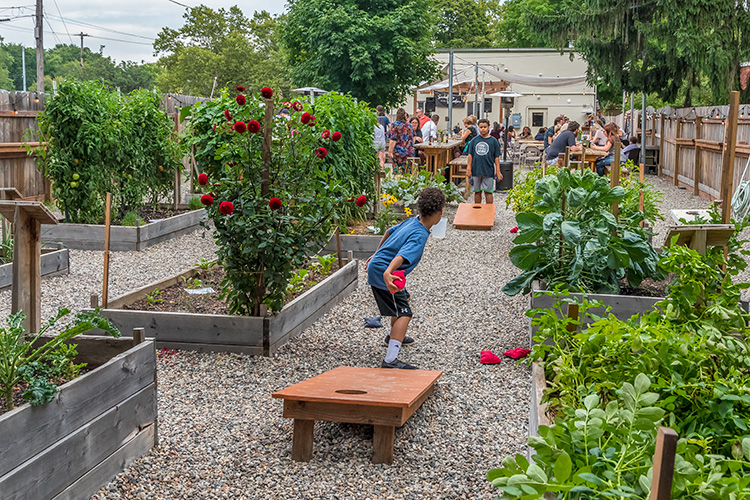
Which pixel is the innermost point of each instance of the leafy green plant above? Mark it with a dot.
(633, 186)
(153, 297)
(578, 242)
(192, 283)
(18, 355)
(521, 197)
(387, 216)
(206, 264)
(297, 282)
(326, 262)
(406, 188)
(131, 219)
(195, 203)
(6, 248)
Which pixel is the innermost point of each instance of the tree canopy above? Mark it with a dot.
(224, 44)
(463, 23)
(374, 49)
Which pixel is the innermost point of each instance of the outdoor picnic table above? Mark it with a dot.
(590, 156)
(531, 141)
(437, 153)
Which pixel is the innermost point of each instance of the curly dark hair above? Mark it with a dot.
(431, 201)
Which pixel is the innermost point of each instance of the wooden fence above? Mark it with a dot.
(18, 112)
(691, 142)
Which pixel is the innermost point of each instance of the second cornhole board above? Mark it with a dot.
(474, 217)
(382, 397)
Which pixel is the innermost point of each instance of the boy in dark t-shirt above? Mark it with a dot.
(401, 250)
(484, 163)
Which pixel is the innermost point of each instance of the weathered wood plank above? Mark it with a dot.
(166, 227)
(95, 351)
(342, 412)
(188, 327)
(51, 471)
(141, 293)
(103, 473)
(302, 440)
(53, 264)
(382, 444)
(250, 350)
(362, 245)
(306, 305)
(27, 430)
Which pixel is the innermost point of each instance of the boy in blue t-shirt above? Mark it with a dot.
(401, 250)
(484, 163)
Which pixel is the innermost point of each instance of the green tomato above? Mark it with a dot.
(74, 185)
(76, 177)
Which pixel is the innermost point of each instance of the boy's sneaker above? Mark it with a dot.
(397, 363)
(407, 340)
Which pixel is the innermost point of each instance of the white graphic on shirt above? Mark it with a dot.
(482, 149)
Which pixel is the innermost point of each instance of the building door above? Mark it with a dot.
(537, 118)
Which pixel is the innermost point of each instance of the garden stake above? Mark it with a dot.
(698, 157)
(727, 162)
(139, 335)
(176, 174)
(338, 240)
(562, 211)
(94, 301)
(572, 314)
(677, 152)
(664, 455)
(640, 192)
(106, 250)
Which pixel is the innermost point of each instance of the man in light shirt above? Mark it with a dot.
(423, 118)
(429, 129)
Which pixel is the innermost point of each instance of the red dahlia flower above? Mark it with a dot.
(306, 117)
(361, 201)
(287, 104)
(240, 88)
(297, 106)
(253, 126)
(274, 203)
(203, 179)
(321, 153)
(326, 134)
(240, 127)
(227, 115)
(226, 207)
(240, 99)
(312, 121)
(207, 199)
(336, 136)
(266, 92)
(350, 199)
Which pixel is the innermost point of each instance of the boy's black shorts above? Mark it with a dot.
(395, 305)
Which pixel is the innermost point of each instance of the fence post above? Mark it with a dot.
(661, 146)
(614, 176)
(677, 152)
(727, 158)
(698, 157)
(664, 455)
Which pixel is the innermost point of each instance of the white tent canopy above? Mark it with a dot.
(468, 74)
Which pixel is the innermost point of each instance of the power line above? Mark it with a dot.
(63, 21)
(180, 4)
(22, 30)
(81, 23)
(53, 31)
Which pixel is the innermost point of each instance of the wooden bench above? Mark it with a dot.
(459, 167)
(384, 398)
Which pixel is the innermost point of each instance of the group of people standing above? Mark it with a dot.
(400, 136)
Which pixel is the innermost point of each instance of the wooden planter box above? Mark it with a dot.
(256, 335)
(361, 245)
(96, 425)
(54, 263)
(91, 236)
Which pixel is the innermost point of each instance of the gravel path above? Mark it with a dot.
(222, 436)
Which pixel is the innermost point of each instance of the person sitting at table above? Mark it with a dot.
(599, 138)
(511, 133)
(497, 131)
(549, 135)
(525, 133)
(540, 135)
(470, 132)
(562, 141)
(612, 133)
(417, 135)
(429, 129)
(401, 142)
(632, 151)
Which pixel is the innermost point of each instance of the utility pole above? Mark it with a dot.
(23, 66)
(450, 93)
(82, 34)
(476, 89)
(38, 33)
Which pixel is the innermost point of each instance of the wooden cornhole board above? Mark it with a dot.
(382, 397)
(700, 236)
(474, 217)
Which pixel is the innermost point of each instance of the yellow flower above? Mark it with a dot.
(351, 232)
(407, 210)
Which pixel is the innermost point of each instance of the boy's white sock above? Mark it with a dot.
(393, 347)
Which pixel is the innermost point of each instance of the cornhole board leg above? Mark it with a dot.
(302, 440)
(382, 444)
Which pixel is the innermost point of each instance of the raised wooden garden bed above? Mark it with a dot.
(54, 263)
(91, 236)
(96, 425)
(256, 335)
(361, 245)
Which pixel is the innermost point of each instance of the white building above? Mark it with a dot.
(552, 84)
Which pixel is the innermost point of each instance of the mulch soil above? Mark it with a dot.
(147, 214)
(647, 288)
(176, 299)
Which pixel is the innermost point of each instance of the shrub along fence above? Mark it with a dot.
(691, 142)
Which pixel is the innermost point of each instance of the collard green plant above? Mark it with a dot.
(520, 197)
(633, 187)
(20, 360)
(573, 239)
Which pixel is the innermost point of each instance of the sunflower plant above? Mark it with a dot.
(270, 191)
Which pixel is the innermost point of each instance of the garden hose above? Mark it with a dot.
(741, 197)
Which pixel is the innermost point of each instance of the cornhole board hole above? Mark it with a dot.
(474, 217)
(382, 397)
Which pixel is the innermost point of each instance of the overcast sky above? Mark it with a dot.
(144, 18)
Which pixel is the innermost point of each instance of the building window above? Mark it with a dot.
(537, 119)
